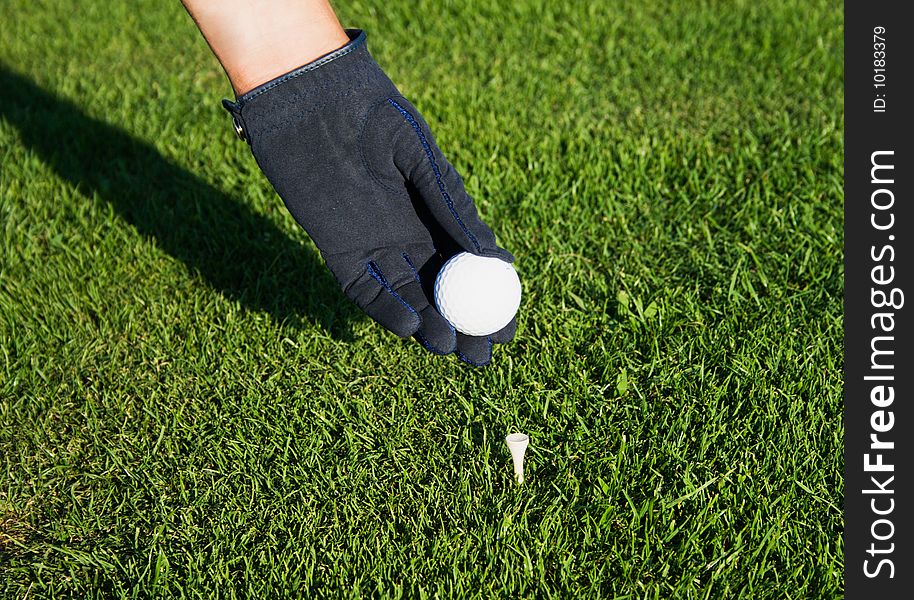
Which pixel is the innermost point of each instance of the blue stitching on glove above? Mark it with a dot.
(375, 273)
(410, 263)
(431, 159)
(433, 349)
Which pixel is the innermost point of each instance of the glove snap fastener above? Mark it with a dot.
(239, 130)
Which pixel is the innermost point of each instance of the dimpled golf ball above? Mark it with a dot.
(478, 295)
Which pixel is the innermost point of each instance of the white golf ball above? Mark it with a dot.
(478, 295)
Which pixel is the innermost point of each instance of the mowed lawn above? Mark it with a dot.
(190, 407)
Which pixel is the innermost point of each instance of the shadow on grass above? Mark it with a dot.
(237, 251)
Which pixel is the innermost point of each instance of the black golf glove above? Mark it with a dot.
(356, 165)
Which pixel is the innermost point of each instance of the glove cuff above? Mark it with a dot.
(306, 83)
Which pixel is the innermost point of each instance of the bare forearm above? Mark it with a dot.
(257, 41)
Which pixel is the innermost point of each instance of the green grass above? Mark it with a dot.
(190, 407)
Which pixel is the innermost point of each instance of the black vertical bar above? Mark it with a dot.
(878, 367)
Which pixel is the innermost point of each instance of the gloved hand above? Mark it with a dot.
(356, 165)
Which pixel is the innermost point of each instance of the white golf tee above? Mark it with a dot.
(517, 444)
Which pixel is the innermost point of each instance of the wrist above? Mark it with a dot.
(283, 52)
